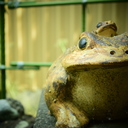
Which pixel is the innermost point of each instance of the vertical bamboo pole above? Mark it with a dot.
(2, 53)
(83, 17)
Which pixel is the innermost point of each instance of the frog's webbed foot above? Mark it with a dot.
(69, 116)
(66, 119)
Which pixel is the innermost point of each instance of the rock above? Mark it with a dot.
(26, 121)
(7, 112)
(45, 120)
(22, 124)
(12, 115)
(16, 105)
(10, 109)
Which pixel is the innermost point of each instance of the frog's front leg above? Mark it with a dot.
(68, 116)
(59, 102)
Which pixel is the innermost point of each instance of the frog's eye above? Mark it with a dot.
(82, 43)
(99, 24)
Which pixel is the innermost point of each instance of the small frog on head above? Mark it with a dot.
(106, 28)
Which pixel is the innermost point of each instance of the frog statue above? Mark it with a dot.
(90, 80)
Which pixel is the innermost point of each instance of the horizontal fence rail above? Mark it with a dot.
(18, 4)
(38, 64)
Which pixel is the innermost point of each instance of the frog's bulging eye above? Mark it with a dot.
(99, 24)
(82, 43)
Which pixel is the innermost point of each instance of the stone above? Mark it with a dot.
(16, 105)
(10, 109)
(22, 124)
(6, 111)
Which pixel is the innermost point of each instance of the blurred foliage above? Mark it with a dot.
(62, 43)
(29, 99)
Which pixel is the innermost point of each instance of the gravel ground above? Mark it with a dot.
(26, 121)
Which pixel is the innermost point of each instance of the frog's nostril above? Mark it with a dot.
(112, 52)
(126, 51)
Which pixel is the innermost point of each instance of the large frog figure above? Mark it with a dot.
(90, 80)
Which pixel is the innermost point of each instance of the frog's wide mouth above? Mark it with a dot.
(91, 61)
(89, 66)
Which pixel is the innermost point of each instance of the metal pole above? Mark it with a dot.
(18, 4)
(2, 53)
(38, 64)
(83, 17)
